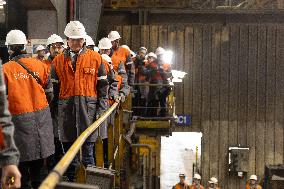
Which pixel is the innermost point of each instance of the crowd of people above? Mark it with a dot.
(53, 99)
(212, 183)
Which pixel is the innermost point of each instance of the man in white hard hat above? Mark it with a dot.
(9, 154)
(90, 44)
(213, 183)
(118, 66)
(29, 92)
(253, 183)
(83, 92)
(181, 184)
(196, 182)
(141, 92)
(40, 50)
(55, 46)
(122, 54)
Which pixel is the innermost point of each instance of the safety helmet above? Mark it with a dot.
(143, 48)
(96, 49)
(151, 54)
(75, 30)
(213, 180)
(105, 43)
(197, 176)
(113, 35)
(133, 54)
(160, 51)
(106, 58)
(16, 37)
(54, 39)
(253, 177)
(89, 41)
(40, 48)
(182, 175)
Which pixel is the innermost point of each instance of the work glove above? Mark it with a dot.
(122, 98)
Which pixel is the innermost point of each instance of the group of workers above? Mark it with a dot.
(53, 100)
(212, 183)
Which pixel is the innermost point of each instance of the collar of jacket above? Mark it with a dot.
(21, 56)
(112, 51)
(67, 52)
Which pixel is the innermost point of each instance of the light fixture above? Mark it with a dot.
(178, 76)
(2, 2)
(167, 56)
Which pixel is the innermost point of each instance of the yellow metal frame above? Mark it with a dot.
(53, 178)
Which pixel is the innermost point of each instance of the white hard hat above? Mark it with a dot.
(54, 39)
(113, 35)
(75, 30)
(126, 47)
(133, 54)
(159, 51)
(106, 58)
(16, 37)
(143, 48)
(197, 176)
(151, 54)
(253, 177)
(105, 43)
(213, 180)
(96, 49)
(89, 41)
(40, 48)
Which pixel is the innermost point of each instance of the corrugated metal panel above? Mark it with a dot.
(234, 89)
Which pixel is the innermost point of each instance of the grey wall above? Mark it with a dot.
(41, 23)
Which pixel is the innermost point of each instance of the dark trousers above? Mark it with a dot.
(87, 158)
(55, 158)
(32, 173)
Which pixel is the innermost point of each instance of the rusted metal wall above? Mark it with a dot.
(234, 88)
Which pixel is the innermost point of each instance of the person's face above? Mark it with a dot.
(76, 44)
(196, 181)
(211, 185)
(181, 180)
(115, 44)
(55, 49)
(141, 54)
(252, 182)
(151, 59)
(105, 51)
(41, 53)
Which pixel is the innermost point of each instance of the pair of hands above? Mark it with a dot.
(119, 98)
(11, 177)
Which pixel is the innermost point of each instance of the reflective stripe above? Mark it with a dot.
(128, 63)
(2, 88)
(121, 72)
(102, 77)
(54, 81)
(49, 90)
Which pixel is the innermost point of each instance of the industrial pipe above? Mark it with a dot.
(149, 159)
(53, 178)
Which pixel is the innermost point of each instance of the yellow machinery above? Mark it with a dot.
(132, 159)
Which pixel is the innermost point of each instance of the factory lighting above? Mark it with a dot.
(167, 57)
(2, 2)
(178, 76)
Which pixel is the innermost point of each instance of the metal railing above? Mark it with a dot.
(54, 176)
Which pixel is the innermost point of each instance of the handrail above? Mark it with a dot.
(53, 178)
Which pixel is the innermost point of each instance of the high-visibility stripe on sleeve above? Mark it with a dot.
(48, 90)
(54, 81)
(128, 63)
(102, 77)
